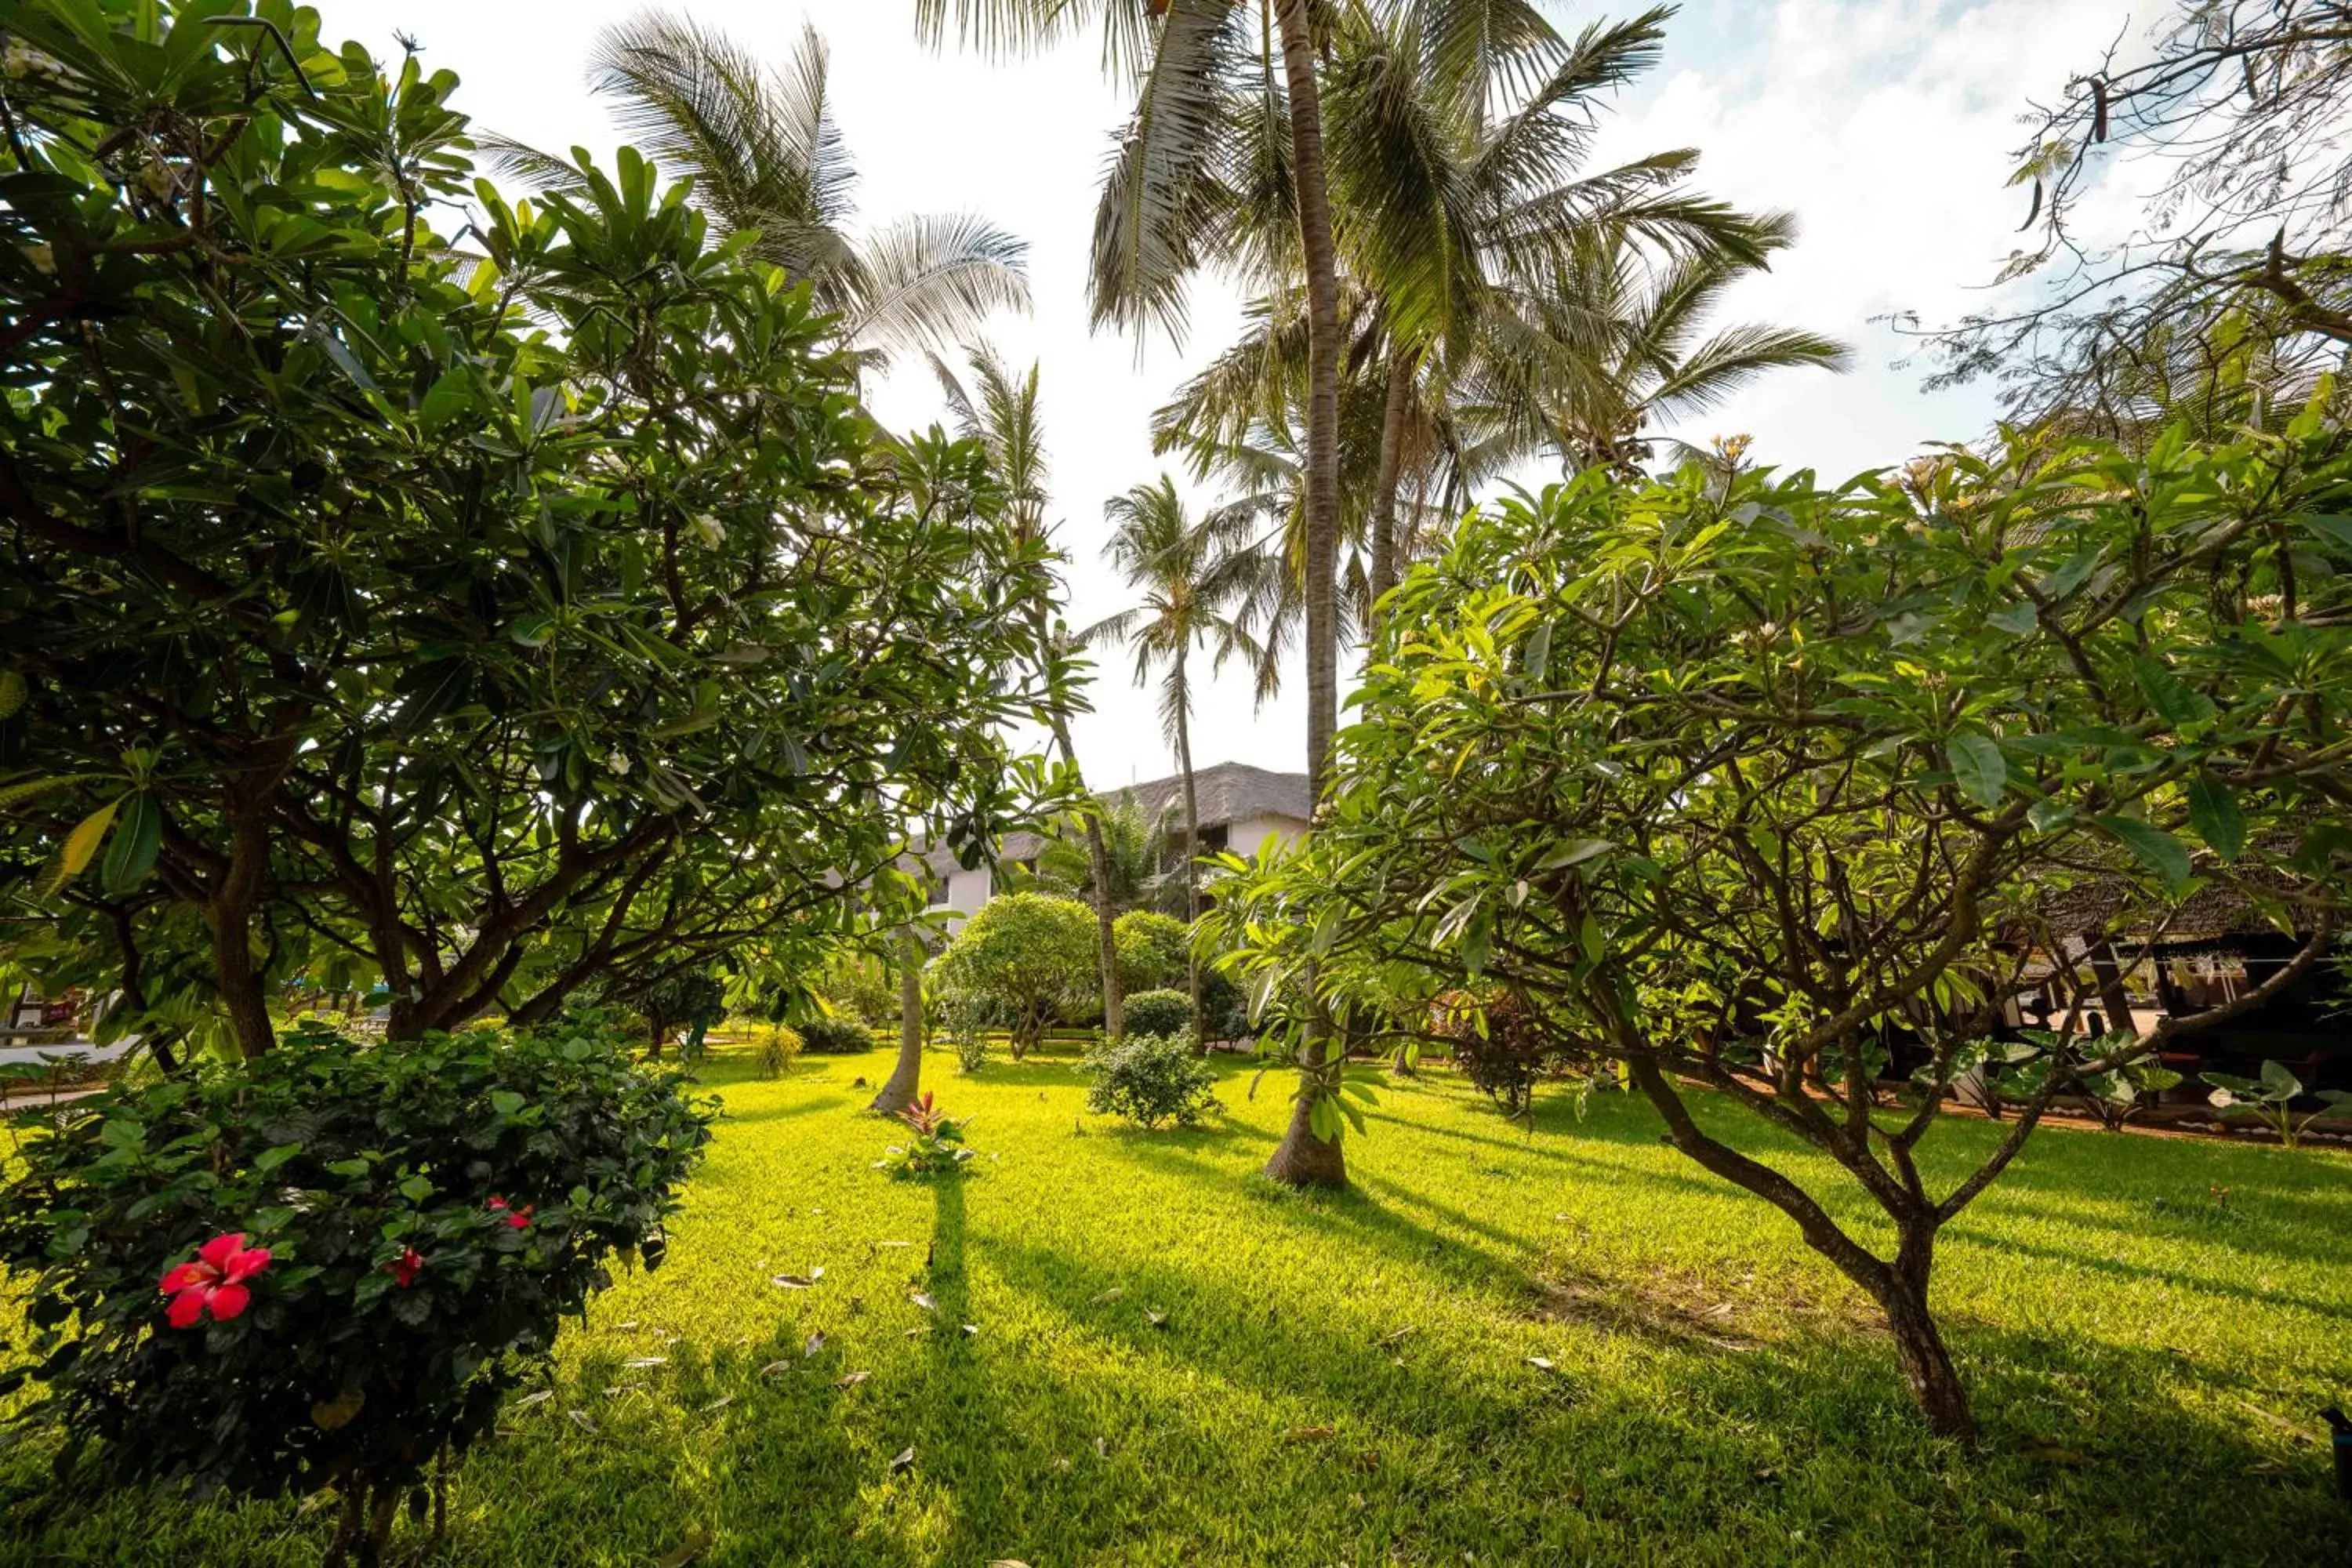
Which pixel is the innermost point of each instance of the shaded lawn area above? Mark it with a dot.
(1175, 1363)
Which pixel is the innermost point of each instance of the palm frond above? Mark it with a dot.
(932, 280)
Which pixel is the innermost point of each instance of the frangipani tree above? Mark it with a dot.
(1781, 792)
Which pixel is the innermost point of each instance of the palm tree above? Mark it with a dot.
(1227, 126)
(1191, 575)
(1587, 365)
(765, 155)
(1000, 412)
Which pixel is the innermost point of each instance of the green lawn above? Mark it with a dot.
(1175, 1362)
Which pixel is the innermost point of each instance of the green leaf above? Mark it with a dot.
(131, 854)
(2171, 696)
(1575, 852)
(1538, 653)
(2337, 529)
(81, 844)
(12, 693)
(2046, 814)
(2158, 850)
(2018, 618)
(1977, 767)
(506, 1101)
(417, 1189)
(2214, 812)
(271, 1158)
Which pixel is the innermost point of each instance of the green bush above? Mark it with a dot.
(777, 1047)
(1155, 950)
(835, 1037)
(1152, 1079)
(1157, 1013)
(328, 1265)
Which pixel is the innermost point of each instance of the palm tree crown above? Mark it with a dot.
(766, 156)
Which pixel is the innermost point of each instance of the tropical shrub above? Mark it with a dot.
(1150, 1078)
(1155, 951)
(1157, 1012)
(1777, 789)
(1023, 956)
(1224, 1008)
(578, 529)
(837, 1036)
(327, 1268)
(776, 1047)
(936, 1147)
(1502, 1051)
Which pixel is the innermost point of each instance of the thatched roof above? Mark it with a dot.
(1227, 792)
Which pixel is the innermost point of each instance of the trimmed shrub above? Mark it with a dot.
(328, 1265)
(1157, 1013)
(1152, 1079)
(1026, 955)
(835, 1037)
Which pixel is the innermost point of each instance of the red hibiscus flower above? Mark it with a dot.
(215, 1282)
(405, 1268)
(517, 1218)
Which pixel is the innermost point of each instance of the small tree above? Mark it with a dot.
(1788, 792)
(1024, 955)
(1155, 951)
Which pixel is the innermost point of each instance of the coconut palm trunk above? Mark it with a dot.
(1099, 862)
(1302, 1159)
(1385, 567)
(1192, 852)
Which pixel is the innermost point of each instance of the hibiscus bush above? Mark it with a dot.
(326, 1267)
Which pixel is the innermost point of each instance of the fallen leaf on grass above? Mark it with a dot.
(1310, 1434)
(894, 1244)
(903, 1461)
(625, 1388)
(793, 1281)
(645, 1361)
(774, 1367)
(1541, 1363)
(529, 1399)
(917, 1332)
(925, 1303)
(2058, 1454)
(816, 1343)
(1113, 1294)
(625, 1328)
(721, 1403)
(1392, 1336)
(696, 1544)
(850, 1380)
(1006, 1563)
(972, 1331)
(580, 1419)
(1157, 1318)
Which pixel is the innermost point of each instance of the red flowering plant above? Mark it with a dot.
(936, 1146)
(326, 1265)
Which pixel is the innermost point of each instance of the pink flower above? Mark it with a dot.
(405, 1268)
(517, 1218)
(215, 1282)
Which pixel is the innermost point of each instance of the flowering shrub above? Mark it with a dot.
(325, 1266)
(936, 1147)
(1150, 1078)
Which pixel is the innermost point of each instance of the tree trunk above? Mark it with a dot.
(1920, 1344)
(1192, 861)
(1099, 862)
(1302, 1159)
(906, 1078)
(1386, 567)
(229, 914)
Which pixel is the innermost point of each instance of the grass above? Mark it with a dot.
(1172, 1361)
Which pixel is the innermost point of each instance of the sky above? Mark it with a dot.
(1885, 126)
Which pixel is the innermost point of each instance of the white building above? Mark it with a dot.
(1240, 808)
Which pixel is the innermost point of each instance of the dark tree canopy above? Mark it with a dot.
(485, 611)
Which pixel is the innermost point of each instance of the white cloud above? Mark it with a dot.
(1884, 124)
